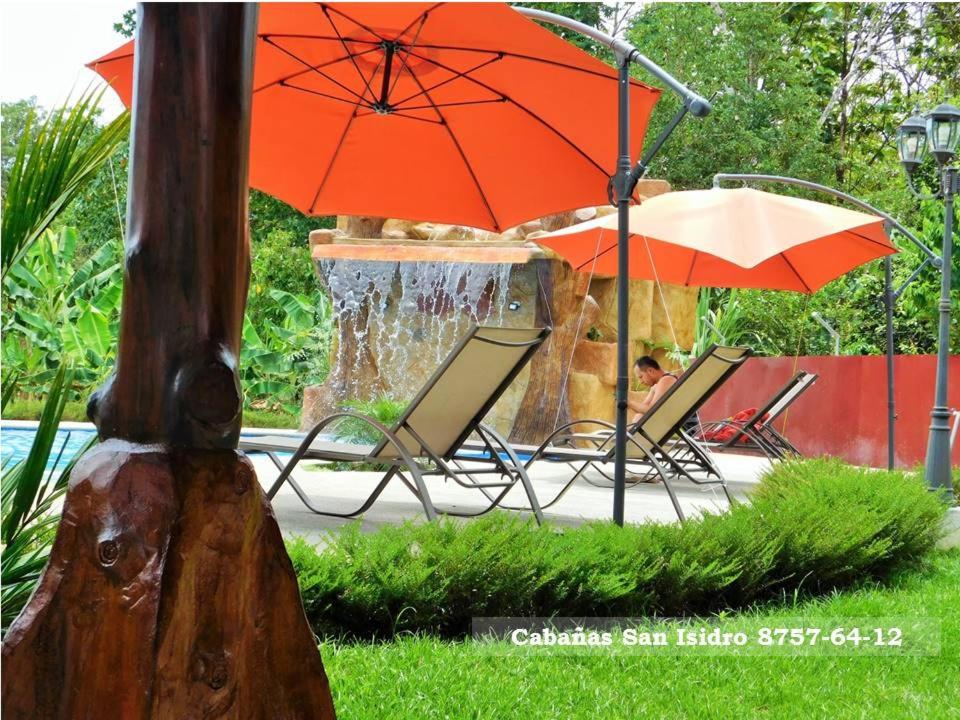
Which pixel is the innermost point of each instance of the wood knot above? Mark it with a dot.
(218, 676)
(108, 551)
(211, 393)
(243, 479)
(207, 409)
(211, 669)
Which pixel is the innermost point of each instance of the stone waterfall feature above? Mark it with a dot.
(411, 313)
(405, 292)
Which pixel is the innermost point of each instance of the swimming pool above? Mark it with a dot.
(15, 443)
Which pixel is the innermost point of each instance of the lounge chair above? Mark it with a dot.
(657, 443)
(432, 430)
(758, 433)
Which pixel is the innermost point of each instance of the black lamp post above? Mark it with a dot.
(938, 130)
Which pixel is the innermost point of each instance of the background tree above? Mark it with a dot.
(816, 91)
(765, 109)
(17, 117)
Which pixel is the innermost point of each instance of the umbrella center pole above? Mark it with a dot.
(623, 182)
(382, 106)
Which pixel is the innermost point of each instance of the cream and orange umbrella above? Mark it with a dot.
(741, 238)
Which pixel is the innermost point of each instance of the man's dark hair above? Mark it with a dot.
(646, 362)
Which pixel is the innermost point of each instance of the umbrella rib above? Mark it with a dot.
(333, 158)
(422, 17)
(456, 76)
(693, 261)
(319, 72)
(597, 256)
(308, 36)
(403, 63)
(868, 239)
(326, 63)
(453, 138)
(525, 109)
(454, 104)
(326, 6)
(110, 60)
(325, 95)
(401, 115)
(799, 277)
(336, 30)
(533, 58)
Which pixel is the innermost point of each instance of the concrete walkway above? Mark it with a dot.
(342, 491)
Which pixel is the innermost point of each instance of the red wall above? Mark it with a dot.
(845, 413)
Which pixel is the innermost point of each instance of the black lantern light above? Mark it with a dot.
(912, 142)
(943, 132)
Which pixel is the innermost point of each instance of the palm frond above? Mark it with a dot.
(22, 484)
(50, 169)
(9, 388)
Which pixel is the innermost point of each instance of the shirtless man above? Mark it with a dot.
(648, 371)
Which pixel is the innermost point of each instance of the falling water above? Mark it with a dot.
(410, 314)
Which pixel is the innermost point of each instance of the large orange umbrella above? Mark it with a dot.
(730, 238)
(465, 113)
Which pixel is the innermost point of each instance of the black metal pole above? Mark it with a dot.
(891, 403)
(937, 471)
(623, 286)
(624, 181)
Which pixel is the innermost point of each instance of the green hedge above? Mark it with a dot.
(812, 526)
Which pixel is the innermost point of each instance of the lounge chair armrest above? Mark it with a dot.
(561, 432)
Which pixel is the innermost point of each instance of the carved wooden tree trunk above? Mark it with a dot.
(169, 593)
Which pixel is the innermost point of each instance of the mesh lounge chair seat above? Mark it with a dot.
(758, 434)
(657, 443)
(432, 429)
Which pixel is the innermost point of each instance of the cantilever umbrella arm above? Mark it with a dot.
(931, 255)
(625, 53)
(624, 182)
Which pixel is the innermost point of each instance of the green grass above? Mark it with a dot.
(269, 419)
(422, 677)
(77, 412)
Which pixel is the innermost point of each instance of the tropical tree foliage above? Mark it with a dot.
(50, 169)
(765, 111)
(815, 91)
(278, 360)
(17, 115)
(59, 309)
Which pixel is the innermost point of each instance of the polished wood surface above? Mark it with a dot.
(187, 251)
(169, 593)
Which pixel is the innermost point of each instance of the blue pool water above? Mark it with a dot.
(15, 444)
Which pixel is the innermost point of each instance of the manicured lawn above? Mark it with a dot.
(417, 677)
